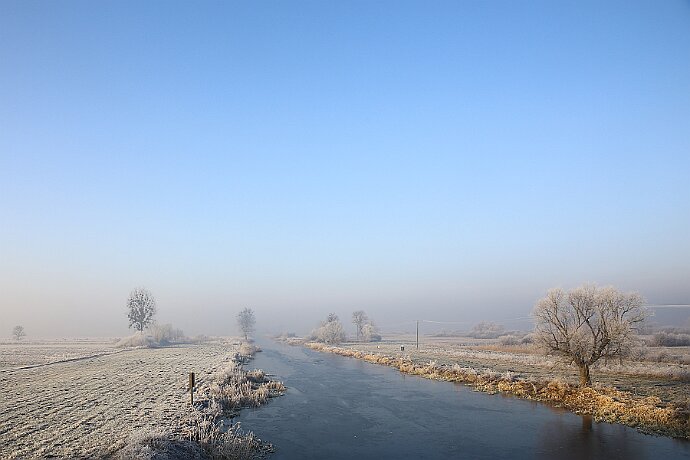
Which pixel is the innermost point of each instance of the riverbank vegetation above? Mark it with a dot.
(204, 432)
(605, 403)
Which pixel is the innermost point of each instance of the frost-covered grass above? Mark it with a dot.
(106, 406)
(648, 362)
(159, 444)
(39, 352)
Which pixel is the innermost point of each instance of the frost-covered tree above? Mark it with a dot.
(359, 319)
(18, 332)
(246, 322)
(370, 333)
(331, 331)
(142, 307)
(586, 324)
(331, 317)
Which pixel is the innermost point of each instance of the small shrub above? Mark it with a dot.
(527, 339)
(370, 333)
(248, 350)
(508, 340)
(138, 339)
(486, 330)
(670, 339)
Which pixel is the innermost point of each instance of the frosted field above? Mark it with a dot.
(43, 352)
(670, 381)
(88, 407)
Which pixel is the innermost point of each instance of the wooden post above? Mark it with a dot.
(191, 387)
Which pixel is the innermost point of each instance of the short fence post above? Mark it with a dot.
(191, 387)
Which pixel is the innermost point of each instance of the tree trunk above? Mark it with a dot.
(585, 381)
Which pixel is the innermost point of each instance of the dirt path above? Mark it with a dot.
(88, 408)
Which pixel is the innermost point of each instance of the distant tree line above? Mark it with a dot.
(331, 330)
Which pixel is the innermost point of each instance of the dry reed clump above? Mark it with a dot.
(204, 437)
(234, 388)
(246, 352)
(606, 404)
(218, 441)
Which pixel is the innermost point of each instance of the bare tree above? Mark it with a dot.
(246, 322)
(18, 332)
(359, 319)
(586, 324)
(142, 308)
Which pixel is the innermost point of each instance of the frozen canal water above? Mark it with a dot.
(344, 408)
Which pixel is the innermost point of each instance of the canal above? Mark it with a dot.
(344, 408)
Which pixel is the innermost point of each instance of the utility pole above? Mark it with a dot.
(417, 334)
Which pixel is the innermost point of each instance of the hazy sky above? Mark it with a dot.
(438, 160)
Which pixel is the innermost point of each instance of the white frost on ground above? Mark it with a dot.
(90, 407)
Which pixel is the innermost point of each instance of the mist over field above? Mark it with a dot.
(100, 310)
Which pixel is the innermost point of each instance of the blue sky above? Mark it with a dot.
(450, 161)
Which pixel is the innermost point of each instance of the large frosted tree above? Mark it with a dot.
(142, 307)
(586, 324)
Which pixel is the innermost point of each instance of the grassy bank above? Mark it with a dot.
(604, 403)
(203, 433)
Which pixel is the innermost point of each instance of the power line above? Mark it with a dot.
(431, 321)
(669, 305)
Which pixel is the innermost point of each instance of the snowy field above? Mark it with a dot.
(83, 399)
